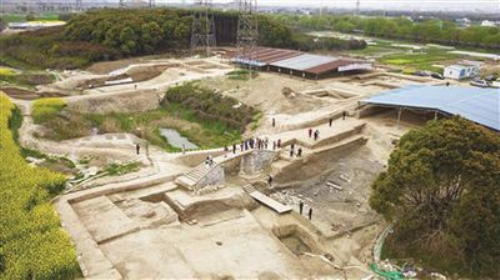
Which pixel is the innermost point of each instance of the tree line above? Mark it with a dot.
(429, 31)
(108, 34)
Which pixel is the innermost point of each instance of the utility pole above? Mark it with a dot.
(358, 4)
(152, 3)
(203, 29)
(248, 31)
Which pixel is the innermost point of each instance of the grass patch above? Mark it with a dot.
(213, 133)
(7, 72)
(22, 17)
(116, 169)
(420, 61)
(204, 134)
(242, 74)
(47, 108)
(28, 80)
(15, 122)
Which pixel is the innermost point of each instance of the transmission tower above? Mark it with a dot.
(358, 4)
(203, 29)
(248, 30)
(79, 5)
(151, 3)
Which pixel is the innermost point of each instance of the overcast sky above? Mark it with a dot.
(445, 5)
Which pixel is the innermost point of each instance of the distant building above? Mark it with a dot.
(463, 22)
(462, 71)
(299, 63)
(488, 23)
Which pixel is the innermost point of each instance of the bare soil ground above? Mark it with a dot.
(265, 92)
(25, 94)
(138, 228)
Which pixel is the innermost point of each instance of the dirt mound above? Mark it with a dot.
(25, 94)
(108, 66)
(124, 103)
(99, 82)
(145, 73)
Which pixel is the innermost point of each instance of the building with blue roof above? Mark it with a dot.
(479, 105)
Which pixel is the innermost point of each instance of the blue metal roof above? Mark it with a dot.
(479, 105)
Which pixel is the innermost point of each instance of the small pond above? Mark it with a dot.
(175, 139)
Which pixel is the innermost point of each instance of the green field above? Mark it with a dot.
(22, 17)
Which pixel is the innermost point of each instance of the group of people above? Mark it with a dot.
(252, 143)
(292, 150)
(209, 162)
(315, 134)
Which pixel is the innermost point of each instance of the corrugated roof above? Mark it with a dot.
(304, 62)
(479, 105)
(330, 66)
(293, 60)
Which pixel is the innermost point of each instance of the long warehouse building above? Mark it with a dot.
(299, 63)
(481, 106)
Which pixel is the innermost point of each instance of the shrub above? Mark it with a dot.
(32, 244)
(210, 106)
(46, 108)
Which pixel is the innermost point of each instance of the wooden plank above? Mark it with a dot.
(271, 203)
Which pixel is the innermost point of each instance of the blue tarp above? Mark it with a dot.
(479, 105)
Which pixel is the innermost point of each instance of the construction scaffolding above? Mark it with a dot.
(248, 29)
(203, 29)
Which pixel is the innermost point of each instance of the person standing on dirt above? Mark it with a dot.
(274, 122)
(310, 213)
(293, 146)
(269, 179)
(137, 149)
(234, 148)
(344, 113)
(316, 135)
(279, 143)
(310, 132)
(299, 152)
(135, 86)
(330, 121)
(301, 207)
(292, 151)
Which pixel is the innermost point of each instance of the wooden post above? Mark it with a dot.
(399, 116)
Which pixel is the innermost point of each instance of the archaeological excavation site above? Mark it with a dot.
(230, 141)
(254, 208)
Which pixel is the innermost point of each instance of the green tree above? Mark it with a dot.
(2, 24)
(128, 39)
(151, 35)
(30, 16)
(442, 191)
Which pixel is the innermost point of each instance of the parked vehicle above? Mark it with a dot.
(491, 78)
(437, 76)
(480, 83)
(422, 73)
